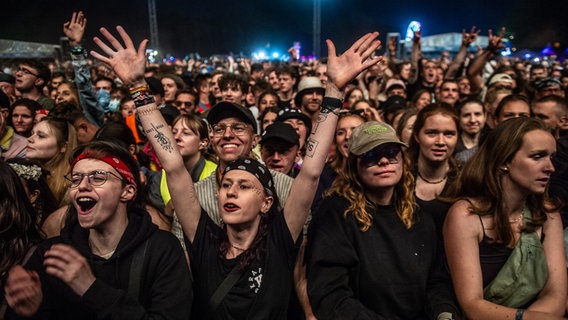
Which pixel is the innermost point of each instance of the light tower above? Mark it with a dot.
(154, 42)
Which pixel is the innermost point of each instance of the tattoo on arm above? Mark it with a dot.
(311, 147)
(164, 142)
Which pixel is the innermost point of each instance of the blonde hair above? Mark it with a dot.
(58, 166)
(349, 186)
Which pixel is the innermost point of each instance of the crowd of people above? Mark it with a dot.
(358, 186)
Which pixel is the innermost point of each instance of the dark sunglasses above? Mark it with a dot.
(388, 150)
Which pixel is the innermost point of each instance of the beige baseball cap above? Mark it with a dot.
(370, 135)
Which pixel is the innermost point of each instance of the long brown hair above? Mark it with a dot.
(481, 178)
(427, 112)
(348, 185)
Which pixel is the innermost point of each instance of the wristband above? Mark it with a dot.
(331, 105)
(519, 314)
(77, 50)
(141, 96)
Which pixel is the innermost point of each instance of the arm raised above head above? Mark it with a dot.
(129, 65)
(340, 71)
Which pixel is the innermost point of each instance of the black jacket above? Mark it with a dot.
(165, 288)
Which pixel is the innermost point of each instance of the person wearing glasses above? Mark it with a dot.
(243, 269)
(31, 76)
(110, 260)
(186, 101)
(372, 253)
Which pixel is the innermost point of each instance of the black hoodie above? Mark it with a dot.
(165, 290)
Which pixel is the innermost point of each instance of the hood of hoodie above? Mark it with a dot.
(139, 228)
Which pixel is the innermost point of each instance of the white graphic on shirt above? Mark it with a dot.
(255, 280)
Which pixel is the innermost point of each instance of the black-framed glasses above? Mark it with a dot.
(183, 103)
(26, 71)
(237, 128)
(95, 178)
(388, 150)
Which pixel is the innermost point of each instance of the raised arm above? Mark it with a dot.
(474, 73)
(467, 39)
(74, 30)
(415, 57)
(129, 63)
(340, 71)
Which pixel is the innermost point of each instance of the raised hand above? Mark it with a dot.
(469, 38)
(23, 291)
(75, 29)
(344, 68)
(127, 62)
(496, 41)
(66, 263)
(417, 37)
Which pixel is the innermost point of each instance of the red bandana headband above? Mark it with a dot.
(114, 162)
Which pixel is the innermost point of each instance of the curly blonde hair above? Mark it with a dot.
(348, 185)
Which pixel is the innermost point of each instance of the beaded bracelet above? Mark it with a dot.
(141, 96)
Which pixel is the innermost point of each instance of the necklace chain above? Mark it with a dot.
(432, 182)
(520, 217)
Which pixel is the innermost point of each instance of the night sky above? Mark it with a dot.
(221, 26)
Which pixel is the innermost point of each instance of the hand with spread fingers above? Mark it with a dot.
(342, 69)
(75, 29)
(126, 60)
(66, 263)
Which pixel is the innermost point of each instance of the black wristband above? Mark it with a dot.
(331, 105)
(519, 314)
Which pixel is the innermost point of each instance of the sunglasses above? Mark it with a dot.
(389, 151)
(183, 103)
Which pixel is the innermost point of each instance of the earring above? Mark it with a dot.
(505, 169)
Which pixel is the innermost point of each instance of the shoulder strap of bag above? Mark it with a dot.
(135, 279)
(224, 288)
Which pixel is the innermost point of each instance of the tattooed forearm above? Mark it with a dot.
(311, 146)
(161, 138)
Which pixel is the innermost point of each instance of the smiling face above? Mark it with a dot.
(530, 169)
(229, 146)
(472, 118)
(42, 144)
(232, 94)
(437, 138)
(100, 207)
(242, 199)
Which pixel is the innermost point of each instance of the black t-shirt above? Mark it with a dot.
(262, 291)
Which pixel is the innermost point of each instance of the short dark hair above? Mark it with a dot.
(233, 80)
(43, 71)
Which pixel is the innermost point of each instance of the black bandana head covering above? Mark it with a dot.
(255, 168)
